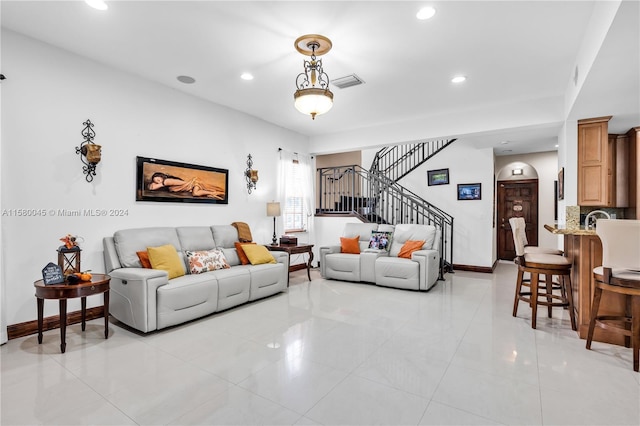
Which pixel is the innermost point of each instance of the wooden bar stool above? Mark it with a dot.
(548, 265)
(619, 273)
(519, 223)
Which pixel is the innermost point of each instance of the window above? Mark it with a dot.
(295, 191)
(294, 214)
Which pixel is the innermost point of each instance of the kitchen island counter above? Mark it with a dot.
(583, 249)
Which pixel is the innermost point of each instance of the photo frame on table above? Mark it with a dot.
(170, 181)
(469, 191)
(438, 177)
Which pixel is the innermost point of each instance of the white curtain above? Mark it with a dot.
(305, 181)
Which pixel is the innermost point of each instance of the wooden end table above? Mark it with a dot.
(99, 284)
(296, 249)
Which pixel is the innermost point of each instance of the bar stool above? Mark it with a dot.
(520, 224)
(619, 273)
(537, 264)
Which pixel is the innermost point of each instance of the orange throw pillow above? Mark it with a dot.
(409, 247)
(350, 245)
(144, 259)
(241, 255)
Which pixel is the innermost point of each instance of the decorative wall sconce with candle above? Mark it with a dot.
(250, 175)
(90, 152)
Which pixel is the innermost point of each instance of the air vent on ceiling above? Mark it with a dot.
(347, 81)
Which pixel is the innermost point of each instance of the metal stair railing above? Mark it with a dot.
(397, 161)
(376, 198)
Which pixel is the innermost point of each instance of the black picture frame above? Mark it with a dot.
(438, 177)
(469, 191)
(180, 182)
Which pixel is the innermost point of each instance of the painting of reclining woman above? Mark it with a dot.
(161, 180)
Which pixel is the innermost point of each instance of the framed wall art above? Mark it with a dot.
(170, 181)
(469, 191)
(438, 177)
(561, 184)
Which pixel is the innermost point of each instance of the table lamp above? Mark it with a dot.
(273, 209)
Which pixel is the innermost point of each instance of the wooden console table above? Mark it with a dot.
(99, 284)
(296, 249)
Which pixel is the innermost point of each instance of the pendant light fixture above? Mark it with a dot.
(313, 96)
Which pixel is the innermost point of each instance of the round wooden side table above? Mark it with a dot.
(99, 284)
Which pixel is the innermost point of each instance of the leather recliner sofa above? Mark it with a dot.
(383, 268)
(147, 300)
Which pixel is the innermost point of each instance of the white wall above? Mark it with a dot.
(3, 321)
(546, 167)
(47, 96)
(473, 220)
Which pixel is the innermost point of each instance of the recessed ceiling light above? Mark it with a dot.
(186, 79)
(246, 76)
(458, 79)
(425, 13)
(97, 4)
(556, 145)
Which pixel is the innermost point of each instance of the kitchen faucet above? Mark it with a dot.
(590, 220)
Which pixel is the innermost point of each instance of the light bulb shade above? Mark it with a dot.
(273, 209)
(313, 101)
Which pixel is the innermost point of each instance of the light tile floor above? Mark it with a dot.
(329, 352)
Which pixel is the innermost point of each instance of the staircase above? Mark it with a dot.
(354, 191)
(375, 196)
(397, 161)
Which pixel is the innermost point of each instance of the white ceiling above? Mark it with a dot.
(511, 51)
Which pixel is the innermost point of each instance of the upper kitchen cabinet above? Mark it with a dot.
(634, 164)
(593, 162)
(603, 165)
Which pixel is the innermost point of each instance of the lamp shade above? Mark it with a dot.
(313, 101)
(273, 209)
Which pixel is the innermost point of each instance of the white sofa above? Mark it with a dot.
(147, 300)
(381, 267)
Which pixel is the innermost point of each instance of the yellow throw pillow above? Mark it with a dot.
(166, 258)
(258, 254)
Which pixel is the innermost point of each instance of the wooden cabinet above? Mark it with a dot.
(632, 212)
(618, 182)
(593, 162)
(603, 165)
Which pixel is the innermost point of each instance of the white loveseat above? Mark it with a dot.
(381, 267)
(147, 300)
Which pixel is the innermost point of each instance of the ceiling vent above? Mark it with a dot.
(347, 81)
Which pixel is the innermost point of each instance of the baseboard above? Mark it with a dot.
(49, 323)
(472, 268)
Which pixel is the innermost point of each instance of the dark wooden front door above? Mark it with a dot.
(516, 198)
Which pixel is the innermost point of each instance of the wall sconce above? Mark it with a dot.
(90, 152)
(251, 175)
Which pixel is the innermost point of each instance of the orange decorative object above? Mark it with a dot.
(69, 241)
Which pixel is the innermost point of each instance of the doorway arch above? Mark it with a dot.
(516, 195)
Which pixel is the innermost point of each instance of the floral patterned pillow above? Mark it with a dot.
(206, 260)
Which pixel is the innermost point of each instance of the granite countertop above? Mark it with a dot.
(563, 230)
